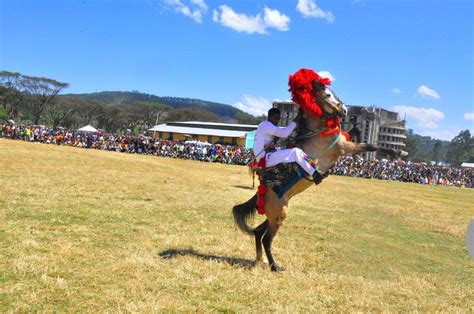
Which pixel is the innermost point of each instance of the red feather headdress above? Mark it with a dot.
(301, 88)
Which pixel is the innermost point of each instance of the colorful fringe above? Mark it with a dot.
(262, 189)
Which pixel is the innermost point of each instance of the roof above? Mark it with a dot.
(88, 128)
(215, 124)
(197, 131)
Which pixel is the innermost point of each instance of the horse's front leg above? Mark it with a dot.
(350, 148)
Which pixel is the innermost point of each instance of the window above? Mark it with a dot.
(160, 135)
(171, 136)
(209, 139)
(234, 141)
(221, 139)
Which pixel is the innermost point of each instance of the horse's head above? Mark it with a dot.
(329, 102)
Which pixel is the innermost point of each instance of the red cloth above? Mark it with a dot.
(301, 88)
(262, 189)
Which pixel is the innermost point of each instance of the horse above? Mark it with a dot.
(325, 151)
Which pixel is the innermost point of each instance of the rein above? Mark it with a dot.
(325, 131)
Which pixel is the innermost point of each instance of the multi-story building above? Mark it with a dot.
(288, 109)
(375, 125)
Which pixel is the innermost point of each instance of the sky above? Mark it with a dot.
(410, 56)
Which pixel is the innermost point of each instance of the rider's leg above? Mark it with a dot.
(291, 155)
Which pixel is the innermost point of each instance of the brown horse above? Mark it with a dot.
(324, 150)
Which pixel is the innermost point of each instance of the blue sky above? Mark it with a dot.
(412, 56)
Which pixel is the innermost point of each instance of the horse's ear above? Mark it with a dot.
(318, 86)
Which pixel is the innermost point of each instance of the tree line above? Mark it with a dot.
(426, 149)
(36, 100)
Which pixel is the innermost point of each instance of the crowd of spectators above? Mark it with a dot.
(192, 150)
(398, 170)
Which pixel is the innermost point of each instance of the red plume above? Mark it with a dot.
(301, 88)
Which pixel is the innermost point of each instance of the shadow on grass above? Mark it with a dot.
(233, 261)
(243, 187)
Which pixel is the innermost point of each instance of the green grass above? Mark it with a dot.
(85, 230)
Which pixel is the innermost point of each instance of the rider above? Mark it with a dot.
(266, 155)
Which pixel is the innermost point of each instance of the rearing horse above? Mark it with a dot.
(325, 151)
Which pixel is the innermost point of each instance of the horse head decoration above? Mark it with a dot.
(318, 134)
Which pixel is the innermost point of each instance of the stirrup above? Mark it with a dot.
(318, 176)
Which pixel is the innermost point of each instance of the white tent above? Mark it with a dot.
(88, 128)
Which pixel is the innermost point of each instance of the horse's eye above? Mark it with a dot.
(328, 95)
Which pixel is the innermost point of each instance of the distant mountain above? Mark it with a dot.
(224, 111)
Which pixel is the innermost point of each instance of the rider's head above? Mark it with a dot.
(274, 115)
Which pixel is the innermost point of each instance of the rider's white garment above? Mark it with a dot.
(290, 155)
(265, 135)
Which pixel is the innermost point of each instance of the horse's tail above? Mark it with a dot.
(243, 212)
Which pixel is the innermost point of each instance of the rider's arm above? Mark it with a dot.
(283, 132)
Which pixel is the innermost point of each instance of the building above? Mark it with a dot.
(376, 125)
(288, 109)
(224, 133)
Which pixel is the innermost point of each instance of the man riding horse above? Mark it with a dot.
(266, 155)
(286, 172)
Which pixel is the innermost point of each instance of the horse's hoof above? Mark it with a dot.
(403, 153)
(277, 269)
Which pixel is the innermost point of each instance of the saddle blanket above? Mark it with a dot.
(283, 177)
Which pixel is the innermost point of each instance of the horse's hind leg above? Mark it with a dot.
(274, 224)
(260, 231)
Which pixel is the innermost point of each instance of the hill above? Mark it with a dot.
(111, 232)
(127, 98)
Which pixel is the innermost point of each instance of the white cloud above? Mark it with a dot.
(256, 106)
(200, 3)
(251, 24)
(309, 8)
(215, 16)
(426, 91)
(327, 74)
(396, 91)
(425, 118)
(273, 18)
(469, 116)
(195, 10)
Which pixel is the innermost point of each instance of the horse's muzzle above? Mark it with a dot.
(342, 110)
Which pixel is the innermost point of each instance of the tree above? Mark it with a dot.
(3, 114)
(60, 110)
(411, 145)
(88, 110)
(11, 93)
(461, 148)
(438, 151)
(145, 114)
(112, 118)
(191, 114)
(42, 91)
(245, 118)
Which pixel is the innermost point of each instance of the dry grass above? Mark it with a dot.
(84, 230)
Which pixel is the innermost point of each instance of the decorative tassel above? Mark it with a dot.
(301, 88)
(346, 135)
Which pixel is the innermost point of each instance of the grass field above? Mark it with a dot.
(86, 230)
